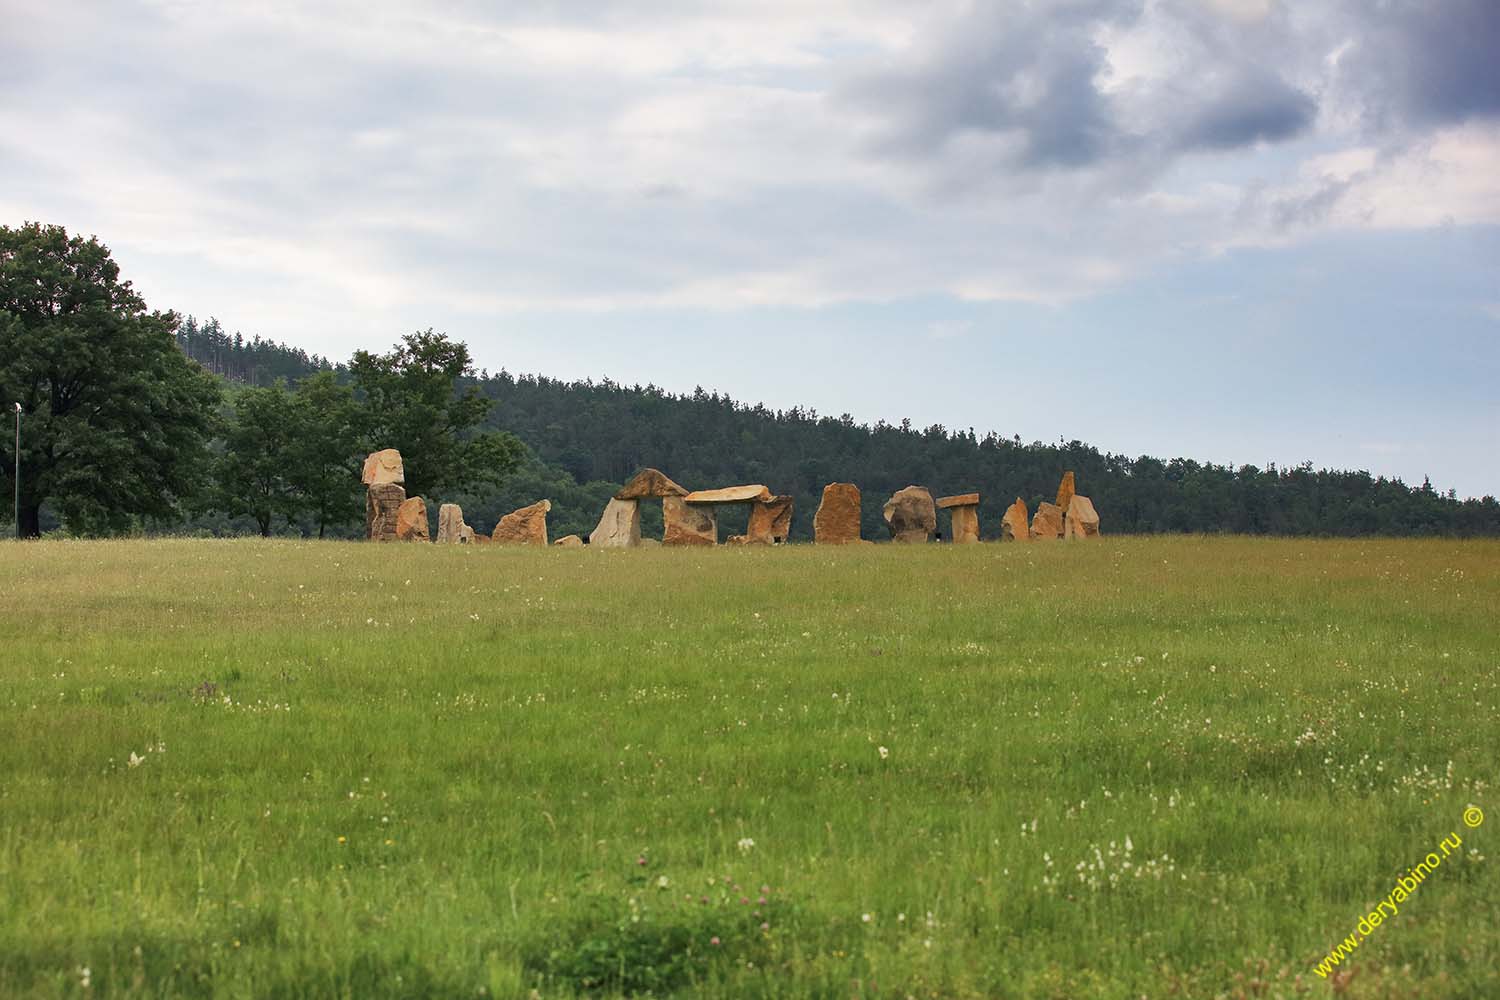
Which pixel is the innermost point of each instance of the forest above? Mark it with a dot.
(583, 439)
(141, 421)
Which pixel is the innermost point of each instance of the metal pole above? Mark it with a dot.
(16, 509)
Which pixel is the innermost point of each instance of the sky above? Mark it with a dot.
(1240, 231)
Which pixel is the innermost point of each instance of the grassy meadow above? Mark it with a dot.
(1171, 767)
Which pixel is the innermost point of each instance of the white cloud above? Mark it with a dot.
(364, 159)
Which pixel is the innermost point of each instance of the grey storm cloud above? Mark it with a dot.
(1255, 106)
(1426, 62)
(1033, 76)
(1027, 73)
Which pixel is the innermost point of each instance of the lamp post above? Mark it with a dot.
(16, 508)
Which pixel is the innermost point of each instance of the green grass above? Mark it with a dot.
(375, 771)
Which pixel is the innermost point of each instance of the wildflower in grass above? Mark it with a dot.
(746, 845)
(714, 940)
(343, 840)
(865, 918)
(641, 861)
(884, 753)
(662, 882)
(765, 926)
(135, 760)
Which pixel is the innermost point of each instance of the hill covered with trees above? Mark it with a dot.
(583, 439)
(125, 433)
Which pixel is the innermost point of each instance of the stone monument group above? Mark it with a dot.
(691, 516)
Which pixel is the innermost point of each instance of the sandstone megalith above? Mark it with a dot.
(383, 467)
(568, 542)
(382, 504)
(620, 525)
(1081, 520)
(837, 519)
(451, 527)
(1048, 521)
(911, 515)
(526, 526)
(1065, 490)
(688, 523)
(730, 494)
(770, 521)
(1014, 527)
(965, 512)
(649, 483)
(411, 521)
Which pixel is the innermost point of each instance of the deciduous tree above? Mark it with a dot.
(115, 419)
(414, 406)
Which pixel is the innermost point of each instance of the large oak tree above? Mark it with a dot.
(115, 420)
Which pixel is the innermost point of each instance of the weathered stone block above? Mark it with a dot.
(382, 504)
(965, 524)
(411, 521)
(1014, 526)
(1081, 519)
(451, 524)
(837, 519)
(688, 524)
(1065, 490)
(649, 483)
(770, 521)
(527, 526)
(911, 515)
(1048, 521)
(383, 467)
(620, 525)
(730, 494)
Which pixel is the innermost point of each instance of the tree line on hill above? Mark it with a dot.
(126, 428)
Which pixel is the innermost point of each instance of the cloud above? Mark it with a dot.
(1026, 75)
(337, 163)
(1057, 87)
(1253, 106)
(1424, 62)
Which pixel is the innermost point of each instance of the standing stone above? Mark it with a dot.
(568, 542)
(451, 525)
(649, 483)
(688, 524)
(1048, 522)
(1065, 490)
(965, 510)
(383, 467)
(466, 535)
(411, 521)
(382, 503)
(1081, 520)
(770, 521)
(527, 526)
(1013, 527)
(837, 519)
(620, 526)
(911, 515)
